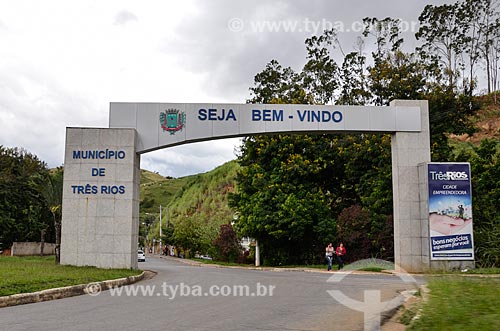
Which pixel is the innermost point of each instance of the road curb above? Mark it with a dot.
(67, 291)
(390, 320)
(310, 270)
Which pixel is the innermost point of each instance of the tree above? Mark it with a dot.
(227, 244)
(459, 36)
(53, 196)
(470, 15)
(353, 80)
(321, 72)
(386, 32)
(279, 201)
(397, 75)
(292, 190)
(387, 40)
(187, 234)
(276, 84)
(23, 211)
(442, 32)
(494, 66)
(168, 234)
(448, 113)
(485, 178)
(194, 234)
(354, 231)
(486, 21)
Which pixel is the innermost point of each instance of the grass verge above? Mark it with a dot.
(229, 264)
(34, 273)
(461, 303)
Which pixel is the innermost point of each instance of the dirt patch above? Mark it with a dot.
(487, 124)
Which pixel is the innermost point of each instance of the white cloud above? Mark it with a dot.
(124, 17)
(190, 159)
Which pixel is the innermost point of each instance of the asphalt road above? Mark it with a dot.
(184, 297)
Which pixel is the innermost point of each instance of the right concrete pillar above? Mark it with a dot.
(411, 230)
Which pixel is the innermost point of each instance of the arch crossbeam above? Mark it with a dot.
(161, 125)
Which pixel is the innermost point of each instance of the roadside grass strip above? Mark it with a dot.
(460, 303)
(32, 274)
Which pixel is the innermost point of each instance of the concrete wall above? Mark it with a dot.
(32, 248)
(100, 211)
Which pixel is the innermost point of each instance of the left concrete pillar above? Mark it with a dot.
(100, 210)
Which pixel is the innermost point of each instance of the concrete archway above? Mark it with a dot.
(102, 167)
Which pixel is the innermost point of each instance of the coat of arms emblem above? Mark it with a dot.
(172, 120)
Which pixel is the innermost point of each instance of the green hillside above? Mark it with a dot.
(188, 195)
(206, 194)
(194, 206)
(157, 190)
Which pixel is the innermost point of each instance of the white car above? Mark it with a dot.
(141, 257)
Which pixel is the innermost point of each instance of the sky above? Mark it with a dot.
(63, 62)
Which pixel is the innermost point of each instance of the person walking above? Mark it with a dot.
(329, 256)
(340, 252)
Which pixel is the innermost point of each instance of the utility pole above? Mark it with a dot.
(160, 232)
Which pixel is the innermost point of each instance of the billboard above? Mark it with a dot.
(450, 211)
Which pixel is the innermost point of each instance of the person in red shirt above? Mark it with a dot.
(340, 252)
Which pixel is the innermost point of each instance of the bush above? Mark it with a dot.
(365, 234)
(227, 244)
